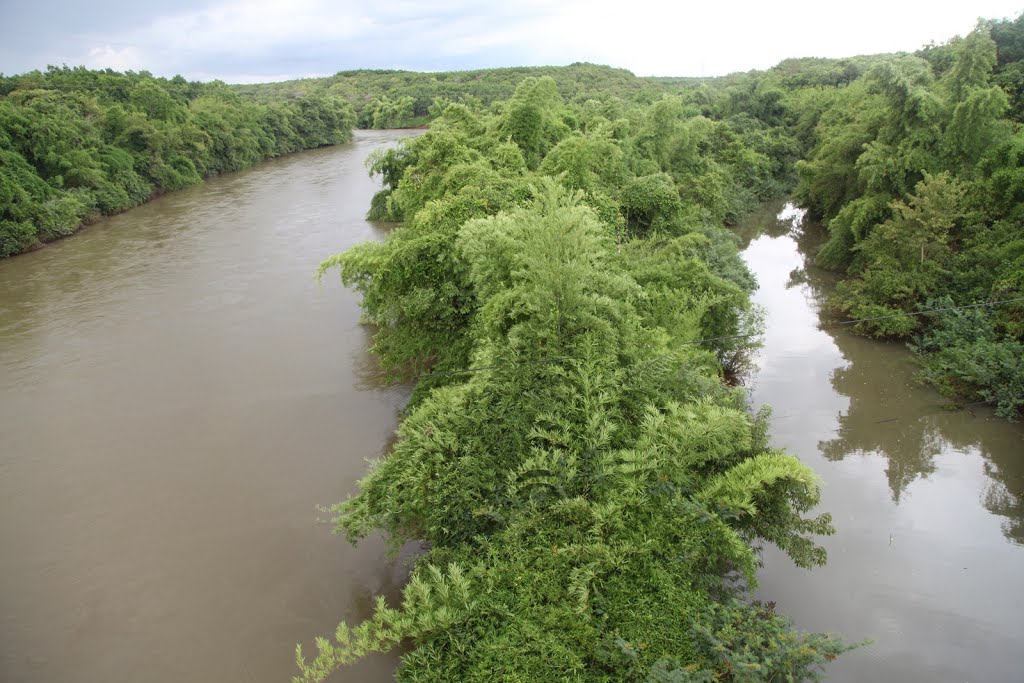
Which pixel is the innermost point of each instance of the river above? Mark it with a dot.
(928, 503)
(178, 395)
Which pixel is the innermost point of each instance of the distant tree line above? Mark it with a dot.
(76, 144)
(402, 99)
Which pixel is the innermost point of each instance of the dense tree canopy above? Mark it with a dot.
(915, 168)
(76, 144)
(412, 98)
(590, 491)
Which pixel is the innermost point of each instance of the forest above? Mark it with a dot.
(407, 99)
(77, 144)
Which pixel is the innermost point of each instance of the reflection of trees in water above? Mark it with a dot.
(1001, 500)
(763, 221)
(909, 427)
(809, 236)
(889, 415)
(879, 417)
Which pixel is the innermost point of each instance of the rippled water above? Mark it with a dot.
(178, 394)
(928, 559)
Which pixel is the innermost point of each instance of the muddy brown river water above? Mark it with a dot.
(177, 395)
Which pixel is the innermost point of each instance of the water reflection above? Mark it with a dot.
(891, 415)
(910, 434)
(928, 502)
(1003, 501)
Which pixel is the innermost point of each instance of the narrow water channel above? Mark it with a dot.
(177, 395)
(928, 503)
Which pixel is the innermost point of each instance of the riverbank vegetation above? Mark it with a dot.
(590, 492)
(917, 169)
(77, 144)
(912, 162)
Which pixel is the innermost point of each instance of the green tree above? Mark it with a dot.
(907, 257)
(532, 119)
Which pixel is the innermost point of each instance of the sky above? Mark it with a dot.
(244, 41)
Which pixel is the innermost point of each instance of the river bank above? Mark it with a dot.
(179, 394)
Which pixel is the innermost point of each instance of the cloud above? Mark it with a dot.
(111, 57)
(271, 39)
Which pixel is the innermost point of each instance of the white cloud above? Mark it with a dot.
(112, 57)
(270, 39)
(249, 25)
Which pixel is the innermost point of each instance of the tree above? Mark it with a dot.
(907, 257)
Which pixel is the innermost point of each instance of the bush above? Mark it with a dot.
(965, 357)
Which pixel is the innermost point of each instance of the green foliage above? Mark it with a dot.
(593, 162)
(652, 202)
(22, 197)
(389, 164)
(916, 169)
(532, 120)
(829, 178)
(76, 144)
(384, 112)
(471, 165)
(907, 258)
(593, 124)
(1009, 71)
(851, 225)
(968, 357)
(430, 93)
(588, 488)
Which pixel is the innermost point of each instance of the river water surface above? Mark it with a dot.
(928, 503)
(177, 395)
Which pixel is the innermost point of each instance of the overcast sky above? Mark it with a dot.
(262, 40)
